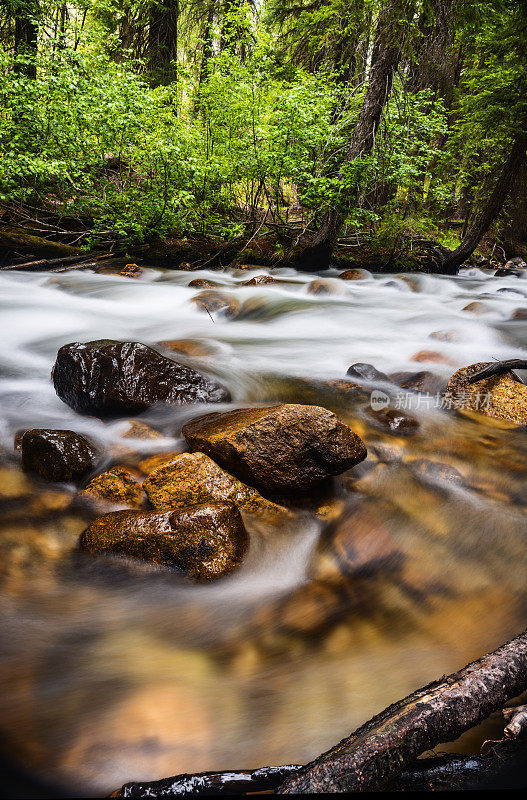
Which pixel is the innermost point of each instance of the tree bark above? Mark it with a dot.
(26, 38)
(389, 38)
(377, 753)
(162, 41)
(492, 207)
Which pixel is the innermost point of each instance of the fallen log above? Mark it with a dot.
(498, 369)
(210, 783)
(376, 753)
(19, 241)
(44, 264)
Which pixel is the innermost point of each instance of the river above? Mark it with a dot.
(109, 675)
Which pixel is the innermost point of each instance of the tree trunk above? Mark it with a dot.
(207, 51)
(492, 207)
(377, 753)
(433, 69)
(162, 41)
(26, 39)
(389, 37)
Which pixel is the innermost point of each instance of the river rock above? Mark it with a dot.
(367, 373)
(259, 280)
(116, 485)
(323, 286)
(57, 455)
(501, 396)
(363, 544)
(519, 313)
(195, 478)
(432, 356)
(203, 283)
(507, 273)
(217, 302)
(283, 447)
(476, 308)
(354, 275)
(391, 420)
(202, 542)
(107, 378)
(424, 381)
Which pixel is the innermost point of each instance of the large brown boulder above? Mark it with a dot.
(279, 447)
(57, 455)
(202, 542)
(500, 396)
(107, 378)
(195, 478)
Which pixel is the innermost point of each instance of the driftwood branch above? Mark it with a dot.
(377, 753)
(498, 369)
(210, 783)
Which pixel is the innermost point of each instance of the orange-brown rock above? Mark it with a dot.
(259, 280)
(323, 286)
(195, 478)
(150, 463)
(131, 271)
(202, 542)
(217, 302)
(189, 347)
(476, 308)
(364, 545)
(140, 430)
(501, 396)
(519, 313)
(279, 447)
(353, 275)
(116, 485)
(203, 283)
(434, 356)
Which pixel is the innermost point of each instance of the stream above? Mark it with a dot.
(112, 674)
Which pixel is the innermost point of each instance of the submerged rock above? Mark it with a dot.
(354, 275)
(476, 308)
(367, 373)
(203, 283)
(392, 421)
(424, 381)
(259, 280)
(364, 545)
(57, 455)
(195, 478)
(202, 542)
(279, 447)
(323, 286)
(107, 378)
(500, 396)
(116, 485)
(217, 302)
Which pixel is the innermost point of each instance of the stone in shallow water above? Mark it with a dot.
(195, 478)
(215, 302)
(57, 455)
(202, 542)
(392, 421)
(501, 396)
(283, 447)
(107, 378)
(367, 372)
(424, 381)
(116, 485)
(259, 280)
(354, 275)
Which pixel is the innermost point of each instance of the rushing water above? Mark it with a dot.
(112, 674)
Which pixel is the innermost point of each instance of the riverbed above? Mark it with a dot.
(112, 674)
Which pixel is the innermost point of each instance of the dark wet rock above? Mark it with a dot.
(57, 455)
(284, 447)
(108, 378)
(217, 303)
(367, 373)
(425, 382)
(500, 396)
(336, 394)
(116, 485)
(435, 472)
(202, 542)
(322, 286)
(203, 283)
(190, 478)
(507, 273)
(508, 290)
(392, 421)
(519, 313)
(354, 275)
(259, 280)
